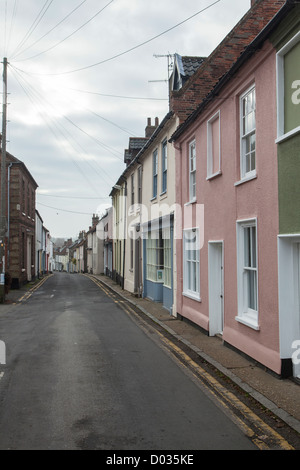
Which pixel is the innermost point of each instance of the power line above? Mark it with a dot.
(111, 150)
(14, 14)
(112, 123)
(73, 197)
(65, 210)
(119, 96)
(128, 50)
(30, 97)
(34, 24)
(52, 29)
(70, 35)
(114, 152)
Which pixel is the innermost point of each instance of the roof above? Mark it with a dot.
(184, 68)
(137, 142)
(11, 159)
(246, 53)
(135, 145)
(135, 160)
(186, 99)
(189, 65)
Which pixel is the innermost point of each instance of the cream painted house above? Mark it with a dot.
(143, 217)
(152, 254)
(143, 200)
(118, 195)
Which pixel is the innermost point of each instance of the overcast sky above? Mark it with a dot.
(83, 78)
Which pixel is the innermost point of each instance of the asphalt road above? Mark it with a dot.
(80, 373)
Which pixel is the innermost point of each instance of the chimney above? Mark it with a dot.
(149, 128)
(95, 220)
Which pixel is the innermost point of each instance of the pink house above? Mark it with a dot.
(227, 187)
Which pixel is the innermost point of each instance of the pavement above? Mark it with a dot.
(280, 396)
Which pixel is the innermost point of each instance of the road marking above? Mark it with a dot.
(228, 399)
(33, 289)
(260, 433)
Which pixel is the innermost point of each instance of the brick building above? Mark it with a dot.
(20, 241)
(185, 98)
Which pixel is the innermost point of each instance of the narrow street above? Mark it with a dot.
(82, 373)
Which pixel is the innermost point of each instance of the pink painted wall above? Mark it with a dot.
(226, 203)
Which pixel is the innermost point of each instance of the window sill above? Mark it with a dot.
(248, 321)
(244, 180)
(191, 202)
(155, 281)
(163, 195)
(214, 175)
(288, 135)
(154, 199)
(192, 296)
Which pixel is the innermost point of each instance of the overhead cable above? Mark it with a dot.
(34, 25)
(52, 29)
(70, 35)
(128, 50)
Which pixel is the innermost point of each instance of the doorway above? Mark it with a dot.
(216, 287)
(289, 300)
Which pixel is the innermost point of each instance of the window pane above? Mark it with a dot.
(252, 290)
(252, 142)
(194, 277)
(253, 246)
(247, 255)
(248, 148)
(191, 262)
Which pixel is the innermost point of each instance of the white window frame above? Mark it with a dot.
(246, 315)
(280, 89)
(132, 189)
(140, 184)
(164, 175)
(188, 291)
(210, 173)
(192, 171)
(155, 173)
(167, 257)
(244, 137)
(155, 255)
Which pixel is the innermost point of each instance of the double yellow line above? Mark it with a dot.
(259, 432)
(33, 289)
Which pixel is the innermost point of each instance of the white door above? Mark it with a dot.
(216, 288)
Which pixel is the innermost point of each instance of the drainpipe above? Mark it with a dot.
(124, 243)
(178, 230)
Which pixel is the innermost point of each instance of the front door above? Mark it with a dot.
(216, 288)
